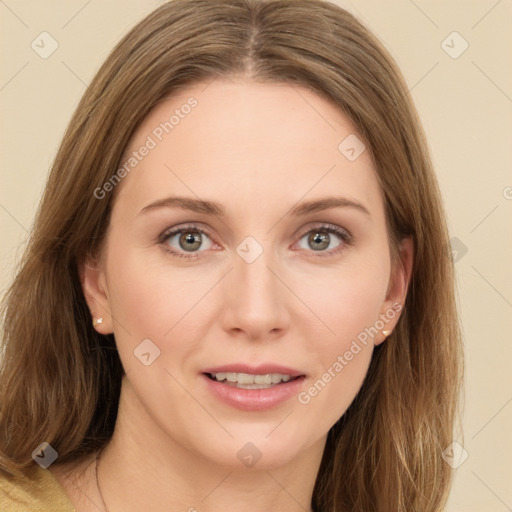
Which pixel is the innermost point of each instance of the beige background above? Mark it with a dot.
(466, 107)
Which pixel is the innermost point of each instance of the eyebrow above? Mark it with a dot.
(212, 208)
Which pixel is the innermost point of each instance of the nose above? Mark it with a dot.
(256, 302)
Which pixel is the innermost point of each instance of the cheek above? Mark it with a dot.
(341, 364)
(347, 298)
(148, 296)
(348, 302)
(150, 299)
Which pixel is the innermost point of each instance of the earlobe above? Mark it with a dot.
(397, 289)
(92, 279)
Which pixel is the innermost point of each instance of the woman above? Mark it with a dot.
(236, 293)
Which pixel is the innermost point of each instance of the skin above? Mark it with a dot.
(258, 150)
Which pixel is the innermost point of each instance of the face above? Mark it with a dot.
(244, 240)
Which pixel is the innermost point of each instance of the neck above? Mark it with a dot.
(145, 468)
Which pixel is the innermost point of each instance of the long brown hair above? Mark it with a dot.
(60, 379)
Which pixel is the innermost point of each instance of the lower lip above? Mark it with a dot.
(254, 399)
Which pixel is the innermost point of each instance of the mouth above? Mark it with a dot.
(252, 381)
(253, 388)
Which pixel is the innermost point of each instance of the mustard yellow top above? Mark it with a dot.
(38, 492)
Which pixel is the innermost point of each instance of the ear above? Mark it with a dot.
(92, 278)
(397, 289)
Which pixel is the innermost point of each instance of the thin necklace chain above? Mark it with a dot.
(98, 482)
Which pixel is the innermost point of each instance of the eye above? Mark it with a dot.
(186, 241)
(325, 240)
(190, 241)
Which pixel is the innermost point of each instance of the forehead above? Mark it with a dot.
(235, 138)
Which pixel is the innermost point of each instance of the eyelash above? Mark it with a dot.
(343, 234)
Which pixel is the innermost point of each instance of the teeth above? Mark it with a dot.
(262, 379)
(276, 377)
(245, 378)
(249, 381)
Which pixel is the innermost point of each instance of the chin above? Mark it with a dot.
(251, 451)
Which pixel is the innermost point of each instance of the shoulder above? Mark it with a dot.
(37, 491)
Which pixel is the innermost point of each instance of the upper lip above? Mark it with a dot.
(261, 369)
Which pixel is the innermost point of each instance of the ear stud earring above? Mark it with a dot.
(97, 321)
(386, 333)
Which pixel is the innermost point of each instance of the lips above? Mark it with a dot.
(252, 397)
